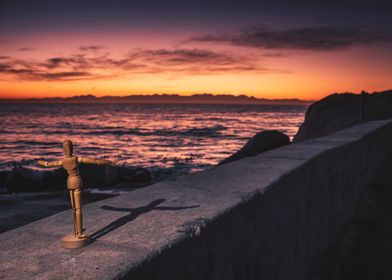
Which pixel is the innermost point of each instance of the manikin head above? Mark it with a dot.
(68, 148)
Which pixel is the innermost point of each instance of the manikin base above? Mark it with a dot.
(70, 241)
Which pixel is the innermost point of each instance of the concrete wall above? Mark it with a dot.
(265, 217)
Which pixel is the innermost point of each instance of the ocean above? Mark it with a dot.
(176, 139)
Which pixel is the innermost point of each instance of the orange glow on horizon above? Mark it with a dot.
(185, 70)
(261, 49)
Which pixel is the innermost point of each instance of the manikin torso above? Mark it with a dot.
(71, 165)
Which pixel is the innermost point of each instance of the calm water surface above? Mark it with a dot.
(180, 137)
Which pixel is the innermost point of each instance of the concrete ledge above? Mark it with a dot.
(265, 217)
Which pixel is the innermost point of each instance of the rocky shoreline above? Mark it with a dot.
(27, 195)
(22, 179)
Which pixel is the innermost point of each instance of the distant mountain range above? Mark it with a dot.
(163, 99)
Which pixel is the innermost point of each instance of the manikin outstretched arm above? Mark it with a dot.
(95, 161)
(49, 164)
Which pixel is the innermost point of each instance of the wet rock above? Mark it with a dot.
(339, 111)
(261, 142)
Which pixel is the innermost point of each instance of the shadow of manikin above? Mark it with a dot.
(133, 214)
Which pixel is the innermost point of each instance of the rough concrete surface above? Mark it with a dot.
(20, 209)
(264, 217)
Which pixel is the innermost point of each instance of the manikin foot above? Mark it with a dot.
(70, 241)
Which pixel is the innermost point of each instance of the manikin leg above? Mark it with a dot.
(78, 212)
(77, 239)
(71, 194)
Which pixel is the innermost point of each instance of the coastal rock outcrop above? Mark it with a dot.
(261, 142)
(339, 111)
(22, 179)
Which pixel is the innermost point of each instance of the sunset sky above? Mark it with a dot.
(269, 49)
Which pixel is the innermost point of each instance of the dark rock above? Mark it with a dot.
(98, 175)
(3, 178)
(22, 179)
(261, 142)
(55, 178)
(339, 111)
(134, 174)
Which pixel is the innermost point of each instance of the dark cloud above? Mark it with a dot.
(91, 48)
(64, 75)
(306, 38)
(81, 66)
(25, 49)
(196, 61)
(4, 67)
(54, 62)
(185, 56)
(36, 74)
(274, 55)
(4, 57)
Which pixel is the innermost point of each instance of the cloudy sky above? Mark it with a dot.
(271, 49)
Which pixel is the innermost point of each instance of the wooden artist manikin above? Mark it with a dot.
(74, 183)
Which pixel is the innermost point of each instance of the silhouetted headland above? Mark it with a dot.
(164, 99)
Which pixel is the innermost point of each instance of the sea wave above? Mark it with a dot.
(169, 139)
